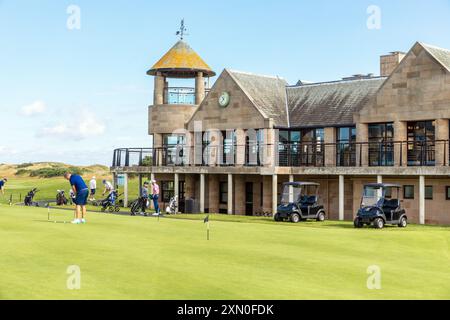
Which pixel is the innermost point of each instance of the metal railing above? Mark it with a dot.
(181, 95)
(368, 154)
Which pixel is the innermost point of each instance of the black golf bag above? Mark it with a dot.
(61, 199)
(28, 201)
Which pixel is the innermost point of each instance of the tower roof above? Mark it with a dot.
(181, 62)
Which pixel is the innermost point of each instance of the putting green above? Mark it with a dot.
(122, 257)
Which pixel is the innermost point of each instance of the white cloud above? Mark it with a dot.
(6, 151)
(33, 109)
(80, 127)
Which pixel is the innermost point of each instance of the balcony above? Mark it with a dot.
(180, 95)
(379, 154)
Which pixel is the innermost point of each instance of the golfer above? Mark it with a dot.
(108, 187)
(2, 185)
(155, 196)
(144, 198)
(93, 187)
(81, 191)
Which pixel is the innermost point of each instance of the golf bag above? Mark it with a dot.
(172, 207)
(110, 202)
(28, 201)
(61, 199)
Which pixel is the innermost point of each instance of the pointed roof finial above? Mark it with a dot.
(182, 30)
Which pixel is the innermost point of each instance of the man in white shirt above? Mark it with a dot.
(93, 188)
(108, 187)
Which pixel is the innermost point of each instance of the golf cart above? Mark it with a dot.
(379, 207)
(299, 202)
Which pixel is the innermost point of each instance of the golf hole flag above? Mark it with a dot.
(206, 221)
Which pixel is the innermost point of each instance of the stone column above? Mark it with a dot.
(213, 193)
(330, 147)
(269, 150)
(442, 144)
(125, 190)
(422, 200)
(400, 149)
(274, 194)
(202, 193)
(341, 198)
(362, 150)
(158, 93)
(239, 195)
(230, 195)
(240, 149)
(291, 189)
(199, 88)
(176, 188)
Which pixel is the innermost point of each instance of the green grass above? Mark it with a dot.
(124, 257)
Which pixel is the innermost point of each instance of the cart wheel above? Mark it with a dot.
(321, 217)
(277, 217)
(378, 223)
(111, 209)
(117, 208)
(403, 222)
(295, 218)
(103, 209)
(358, 224)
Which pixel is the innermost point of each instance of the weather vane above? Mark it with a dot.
(182, 31)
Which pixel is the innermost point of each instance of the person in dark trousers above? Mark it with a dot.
(81, 191)
(144, 198)
(2, 185)
(155, 196)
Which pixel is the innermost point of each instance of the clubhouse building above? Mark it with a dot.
(229, 148)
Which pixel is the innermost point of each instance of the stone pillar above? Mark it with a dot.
(442, 144)
(422, 200)
(114, 180)
(268, 153)
(401, 147)
(330, 147)
(199, 88)
(158, 93)
(291, 189)
(239, 195)
(362, 150)
(240, 149)
(125, 190)
(274, 194)
(267, 193)
(140, 184)
(213, 193)
(230, 195)
(341, 198)
(202, 193)
(158, 152)
(176, 188)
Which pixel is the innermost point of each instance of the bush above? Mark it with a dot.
(54, 172)
(24, 165)
(22, 172)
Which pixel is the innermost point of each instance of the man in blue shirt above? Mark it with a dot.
(81, 191)
(2, 185)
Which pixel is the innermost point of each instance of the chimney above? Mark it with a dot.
(389, 62)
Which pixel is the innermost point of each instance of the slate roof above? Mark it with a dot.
(440, 54)
(267, 93)
(330, 103)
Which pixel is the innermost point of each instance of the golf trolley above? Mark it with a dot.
(379, 207)
(299, 202)
(173, 205)
(110, 203)
(28, 201)
(61, 199)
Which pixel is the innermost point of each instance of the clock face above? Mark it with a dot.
(224, 99)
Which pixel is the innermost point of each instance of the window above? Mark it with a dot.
(254, 147)
(381, 146)
(421, 143)
(167, 191)
(408, 192)
(223, 193)
(447, 193)
(345, 151)
(429, 192)
(173, 149)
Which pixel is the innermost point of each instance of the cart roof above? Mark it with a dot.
(302, 184)
(382, 185)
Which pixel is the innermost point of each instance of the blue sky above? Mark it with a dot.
(75, 95)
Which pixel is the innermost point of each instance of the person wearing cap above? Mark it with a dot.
(93, 187)
(2, 185)
(108, 187)
(155, 196)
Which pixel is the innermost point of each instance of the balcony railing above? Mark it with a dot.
(181, 95)
(373, 154)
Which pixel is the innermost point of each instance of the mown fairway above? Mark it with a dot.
(124, 257)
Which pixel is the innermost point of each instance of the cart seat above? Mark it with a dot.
(391, 205)
(308, 201)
